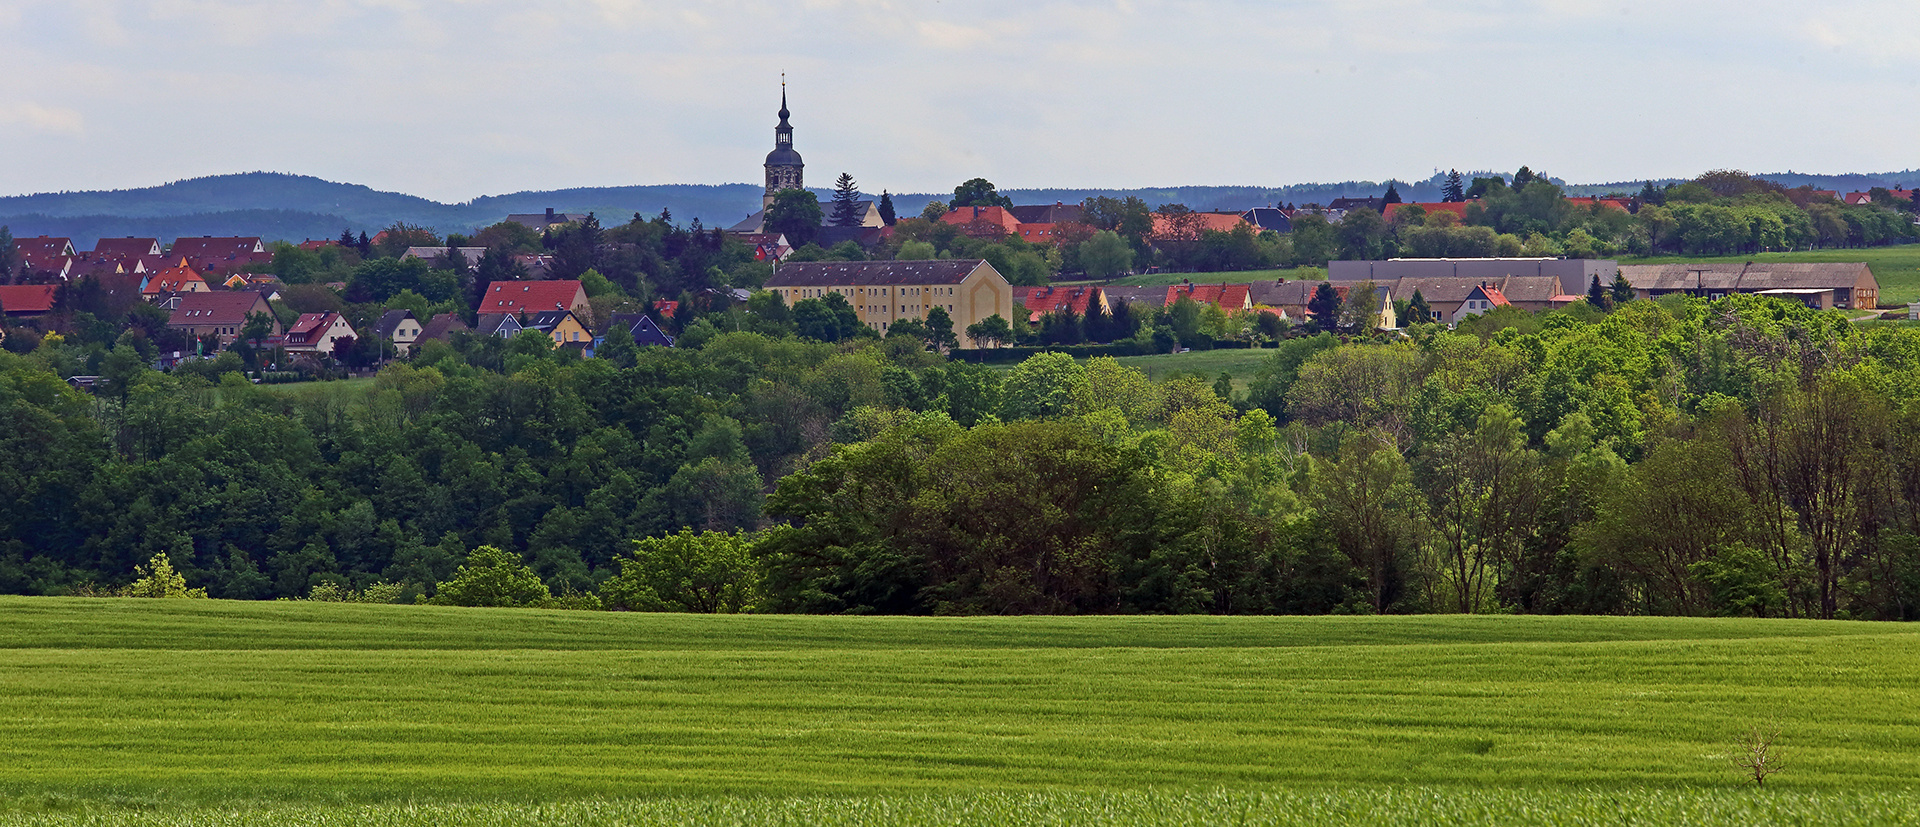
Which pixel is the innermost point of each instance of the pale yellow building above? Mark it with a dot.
(970, 290)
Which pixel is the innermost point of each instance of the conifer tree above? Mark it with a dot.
(886, 209)
(1418, 309)
(1392, 196)
(846, 193)
(1598, 296)
(1325, 307)
(1452, 192)
(1622, 289)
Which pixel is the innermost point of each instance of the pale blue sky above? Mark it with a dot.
(452, 99)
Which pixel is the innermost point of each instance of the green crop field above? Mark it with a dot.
(215, 712)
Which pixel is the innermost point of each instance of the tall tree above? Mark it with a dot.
(1452, 192)
(1621, 289)
(795, 214)
(846, 201)
(886, 209)
(1598, 295)
(1393, 194)
(1325, 308)
(1524, 177)
(978, 192)
(1418, 310)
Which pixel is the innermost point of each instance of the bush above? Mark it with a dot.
(158, 579)
(712, 572)
(492, 577)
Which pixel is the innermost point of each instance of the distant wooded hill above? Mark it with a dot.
(297, 207)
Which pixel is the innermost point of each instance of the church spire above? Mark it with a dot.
(784, 168)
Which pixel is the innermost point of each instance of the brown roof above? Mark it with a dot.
(440, 327)
(1734, 276)
(1282, 293)
(530, 296)
(214, 247)
(220, 307)
(832, 273)
(1055, 213)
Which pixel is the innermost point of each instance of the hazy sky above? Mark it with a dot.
(458, 98)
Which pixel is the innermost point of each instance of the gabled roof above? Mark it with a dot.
(26, 299)
(1734, 276)
(490, 324)
(172, 279)
(1225, 295)
(42, 247)
(390, 321)
(645, 331)
(441, 326)
(1269, 218)
(850, 273)
(310, 325)
(1055, 213)
(546, 320)
(1491, 295)
(219, 307)
(1038, 300)
(216, 247)
(997, 218)
(129, 246)
(1356, 203)
(531, 296)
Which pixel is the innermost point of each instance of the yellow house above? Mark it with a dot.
(561, 326)
(970, 290)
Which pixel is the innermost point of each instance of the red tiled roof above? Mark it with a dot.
(530, 296)
(172, 280)
(1041, 300)
(999, 218)
(215, 247)
(128, 247)
(26, 298)
(218, 307)
(1164, 227)
(1229, 296)
(309, 324)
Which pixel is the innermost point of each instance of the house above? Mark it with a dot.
(1039, 301)
(541, 223)
(431, 254)
(220, 254)
(129, 247)
(518, 297)
(1055, 213)
(1480, 299)
(45, 257)
(1190, 226)
(983, 222)
(180, 278)
(498, 325)
(1233, 298)
(400, 328)
(970, 290)
(318, 333)
(645, 331)
(441, 327)
(1819, 285)
(26, 301)
(220, 313)
(766, 246)
(538, 266)
(1266, 219)
(561, 326)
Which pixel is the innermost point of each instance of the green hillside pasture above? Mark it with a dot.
(1207, 364)
(209, 703)
(1897, 267)
(1421, 806)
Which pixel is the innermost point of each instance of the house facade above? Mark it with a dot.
(400, 328)
(317, 333)
(562, 326)
(970, 290)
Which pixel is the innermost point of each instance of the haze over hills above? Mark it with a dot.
(296, 207)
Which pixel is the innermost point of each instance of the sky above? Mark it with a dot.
(454, 99)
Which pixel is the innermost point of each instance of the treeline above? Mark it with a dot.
(1747, 456)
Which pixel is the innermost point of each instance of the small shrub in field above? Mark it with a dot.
(712, 572)
(1759, 754)
(158, 579)
(492, 577)
(382, 592)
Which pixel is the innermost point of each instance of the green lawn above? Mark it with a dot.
(1897, 268)
(209, 703)
(1208, 364)
(352, 389)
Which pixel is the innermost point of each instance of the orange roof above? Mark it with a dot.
(1232, 296)
(1055, 299)
(1196, 223)
(1494, 296)
(172, 280)
(531, 296)
(1604, 202)
(999, 218)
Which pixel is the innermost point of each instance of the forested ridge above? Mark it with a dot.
(1745, 456)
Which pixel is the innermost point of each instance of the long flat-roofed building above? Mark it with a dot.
(1574, 273)
(1818, 285)
(970, 290)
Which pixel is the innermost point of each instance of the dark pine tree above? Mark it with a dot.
(1393, 194)
(1598, 296)
(346, 238)
(886, 209)
(1452, 191)
(1418, 309)
(1325, 307)
(364, 245)
(1524, 177)
(846, 194)
(1622, 289)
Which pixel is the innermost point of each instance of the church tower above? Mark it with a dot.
(783, 164)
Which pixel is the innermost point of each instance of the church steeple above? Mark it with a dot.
(784, 168)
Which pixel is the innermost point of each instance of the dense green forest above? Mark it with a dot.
(1746, 456)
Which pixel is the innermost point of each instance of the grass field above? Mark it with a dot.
(1208, 364)
(350, 389)
(1897, 268)
(109, 706)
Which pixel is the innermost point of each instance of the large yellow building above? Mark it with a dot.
(970, 290)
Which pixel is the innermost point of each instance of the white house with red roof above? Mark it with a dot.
(1482, 298)
(317, 333)
(517, 297)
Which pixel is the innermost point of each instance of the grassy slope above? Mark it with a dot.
(1897, 268)
(207, 702)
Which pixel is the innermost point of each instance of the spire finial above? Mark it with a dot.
(783, 98)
